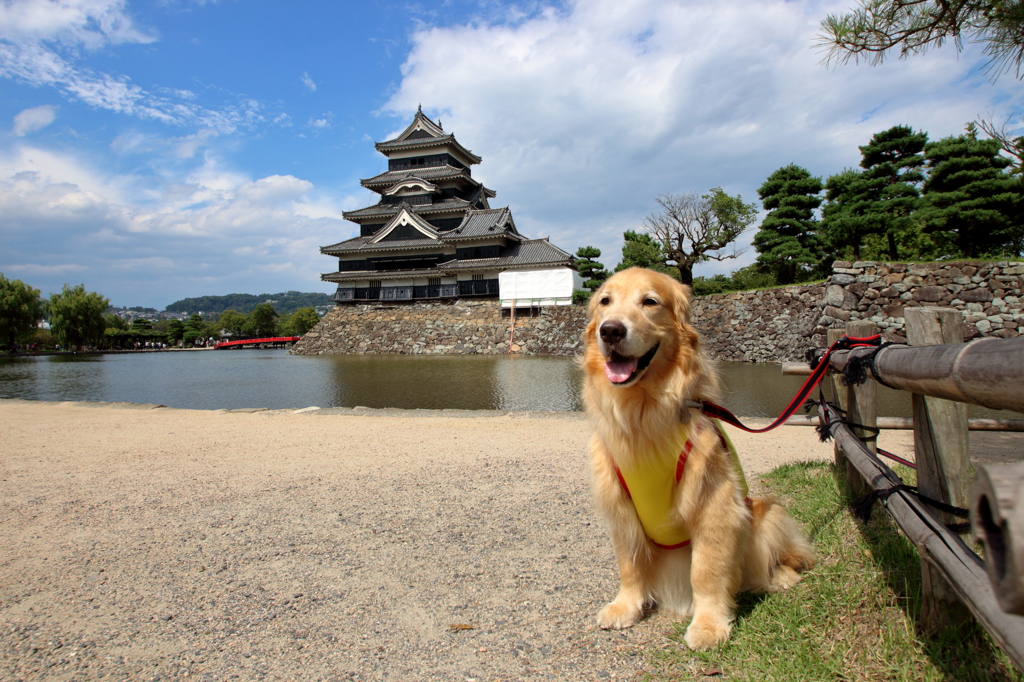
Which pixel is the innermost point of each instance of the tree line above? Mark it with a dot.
(80, 318)
(910, 199)
(285, 302)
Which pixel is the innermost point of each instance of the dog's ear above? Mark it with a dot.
(682, 294)
(590, 334)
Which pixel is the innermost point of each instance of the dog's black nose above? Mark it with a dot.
(613, 331)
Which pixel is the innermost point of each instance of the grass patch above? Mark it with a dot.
(852, 618)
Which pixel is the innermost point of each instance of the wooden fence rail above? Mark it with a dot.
(937, 545)
(942, 375)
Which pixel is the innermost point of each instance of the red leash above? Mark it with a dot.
(722, 414)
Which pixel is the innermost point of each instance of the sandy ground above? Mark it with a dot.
(151, 543)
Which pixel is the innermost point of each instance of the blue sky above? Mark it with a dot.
(160, 150)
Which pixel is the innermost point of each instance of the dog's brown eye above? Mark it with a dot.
(650, 301)
(604, 300)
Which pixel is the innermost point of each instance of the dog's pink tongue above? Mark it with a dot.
(618, 371)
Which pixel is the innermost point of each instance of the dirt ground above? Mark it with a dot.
(144, 543)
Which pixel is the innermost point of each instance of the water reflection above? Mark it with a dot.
(273, 379)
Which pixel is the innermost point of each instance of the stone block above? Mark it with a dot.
(868, 279)
(841, 264)
(893, 310)
(837, 313)
(1015, 269)
(919, 269)
(843, 279)
(929, 294)
(913, 280)
(976, 295)
(846, 271)
(893, 278)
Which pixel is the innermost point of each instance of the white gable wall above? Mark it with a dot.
(546, 286)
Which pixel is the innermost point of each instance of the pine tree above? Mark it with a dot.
(970, 206)
(843, 221)
(591, 271)
(787, 242)
(892, 164)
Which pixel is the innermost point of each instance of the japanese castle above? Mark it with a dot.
(434, 235)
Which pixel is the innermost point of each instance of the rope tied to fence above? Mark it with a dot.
(862, 507)
(858, 366)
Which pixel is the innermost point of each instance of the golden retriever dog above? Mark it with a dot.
(665, 477)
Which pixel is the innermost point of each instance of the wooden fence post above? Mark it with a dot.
(838, 393)
(861, 409)
(943, 459)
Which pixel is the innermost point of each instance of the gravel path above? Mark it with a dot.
(149, 543)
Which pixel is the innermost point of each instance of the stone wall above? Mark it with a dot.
(988, 295)
(772, 325)
(459, 327)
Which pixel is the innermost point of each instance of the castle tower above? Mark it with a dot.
(433, 234)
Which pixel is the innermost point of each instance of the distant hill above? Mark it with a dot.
(284, 303)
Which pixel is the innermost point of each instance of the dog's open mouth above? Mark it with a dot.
(621, 370)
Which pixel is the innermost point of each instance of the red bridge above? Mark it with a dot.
(272, 340)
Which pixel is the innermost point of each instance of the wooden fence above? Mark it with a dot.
(943, 374)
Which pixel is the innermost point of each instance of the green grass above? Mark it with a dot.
(854, 617)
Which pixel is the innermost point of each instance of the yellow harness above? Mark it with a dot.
(651, 485)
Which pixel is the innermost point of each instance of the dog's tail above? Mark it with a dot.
(778, 552)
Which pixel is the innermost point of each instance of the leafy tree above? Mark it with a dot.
(878, 26)
(787, 243)
(194, 329)
(970, 205)
(141, 324)
(592, 271)
(232, 322)
(21, 309)
(175, 331)
(76, 316)
(261, 322)
(300, 322)
(640, 250)
(697, 228)
(115, 322)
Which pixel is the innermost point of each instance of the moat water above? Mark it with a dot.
(210, 380)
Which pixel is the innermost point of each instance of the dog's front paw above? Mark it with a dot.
(707, 631)
(619, 615)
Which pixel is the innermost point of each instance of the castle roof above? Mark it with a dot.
(530, 253)
(423, 133)
(381, 210)
(476, 224)
(431, 173)
(527, 253)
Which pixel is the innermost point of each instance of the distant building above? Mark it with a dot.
(433, 234)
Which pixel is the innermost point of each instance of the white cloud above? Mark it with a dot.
(308, 82)
(42, 43)
(322, 123)
(211, 230)
(31, 120)
(583, 115)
